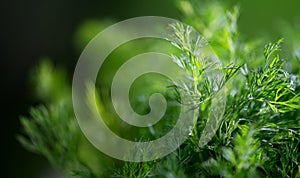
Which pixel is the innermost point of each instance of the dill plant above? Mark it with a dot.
(258, 136)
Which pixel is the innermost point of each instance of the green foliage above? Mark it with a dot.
(49, 83)
(258, 136)
(217, 22)
(52, 131)
(134, 170)
(242, 160)
(55, 134)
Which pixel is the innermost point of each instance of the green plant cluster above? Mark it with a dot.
(258, 135)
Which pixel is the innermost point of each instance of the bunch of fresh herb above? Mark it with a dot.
(258, 135)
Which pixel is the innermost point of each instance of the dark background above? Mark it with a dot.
(32, 29)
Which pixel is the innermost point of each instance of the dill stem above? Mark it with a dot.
(195, 92)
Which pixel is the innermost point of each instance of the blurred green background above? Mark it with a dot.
(33, 29)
